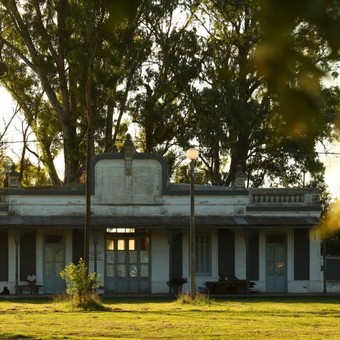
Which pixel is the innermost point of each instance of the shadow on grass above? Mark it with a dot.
(137, 300)
(116, 300)
(27, 300)
(326, 299)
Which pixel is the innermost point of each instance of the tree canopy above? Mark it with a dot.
(222, 75)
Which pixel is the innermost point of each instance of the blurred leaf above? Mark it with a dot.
(331, 222)
(120, 10)
(283, 54)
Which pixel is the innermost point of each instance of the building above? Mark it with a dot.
(139, 231)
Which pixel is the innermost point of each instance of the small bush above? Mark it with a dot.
(92, 303)
(80, 285)
(198, 299)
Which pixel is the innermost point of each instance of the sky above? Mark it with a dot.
(330, 160)
(332, 163)
(6, 109)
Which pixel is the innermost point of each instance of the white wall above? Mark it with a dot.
(316, 262)
(159, 262)
(240, 255)
(11, 262)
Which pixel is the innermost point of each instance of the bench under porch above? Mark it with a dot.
(25, 288)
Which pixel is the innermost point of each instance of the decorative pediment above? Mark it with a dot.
(127, 177)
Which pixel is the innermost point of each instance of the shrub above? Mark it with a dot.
(80, 285)
(194, 299)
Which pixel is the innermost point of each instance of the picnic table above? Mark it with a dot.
(228, 286)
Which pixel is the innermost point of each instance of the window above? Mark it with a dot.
(120, 230)
(203, 254)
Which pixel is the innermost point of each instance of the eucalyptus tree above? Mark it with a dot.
(66, 68)
(183, 71)
(237, 120)
(35, 42)
(158, 106)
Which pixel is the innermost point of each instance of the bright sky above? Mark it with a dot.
(6, 112)
(331, 161)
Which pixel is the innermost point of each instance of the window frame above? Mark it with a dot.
(203, 245)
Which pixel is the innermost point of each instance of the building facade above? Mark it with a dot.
(138, 227)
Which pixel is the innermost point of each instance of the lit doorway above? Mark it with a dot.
(127, 261)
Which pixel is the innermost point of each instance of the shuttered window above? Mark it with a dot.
(203, 255)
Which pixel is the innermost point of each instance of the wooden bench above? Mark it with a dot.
(228, 287)
(26, 288)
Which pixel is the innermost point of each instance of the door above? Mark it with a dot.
(276, 263)
(54, 263)
(127, 263)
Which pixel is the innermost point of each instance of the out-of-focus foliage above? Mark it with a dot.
(120, 10)
(292, 33)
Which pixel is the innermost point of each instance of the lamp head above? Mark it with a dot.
(192, 154)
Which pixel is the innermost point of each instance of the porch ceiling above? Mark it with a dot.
(158, 222)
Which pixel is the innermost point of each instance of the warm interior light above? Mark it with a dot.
(192, 154)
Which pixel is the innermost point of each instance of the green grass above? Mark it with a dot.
(130, 318)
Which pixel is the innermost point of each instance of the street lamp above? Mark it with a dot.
(192, 154)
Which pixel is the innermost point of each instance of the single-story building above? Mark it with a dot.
(138, 227)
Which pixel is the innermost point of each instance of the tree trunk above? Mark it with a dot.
(239, 154)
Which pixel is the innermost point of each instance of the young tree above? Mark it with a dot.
(80, 285)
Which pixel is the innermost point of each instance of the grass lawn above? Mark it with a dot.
(230, 318)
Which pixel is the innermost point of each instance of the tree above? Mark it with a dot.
(236, 119)
(6, 162)
(80, 285)
(198, 80)
(33, 175)
(158, 106)
(55, 51)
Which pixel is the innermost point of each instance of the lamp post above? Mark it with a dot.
(87, 227)
(192, 154)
